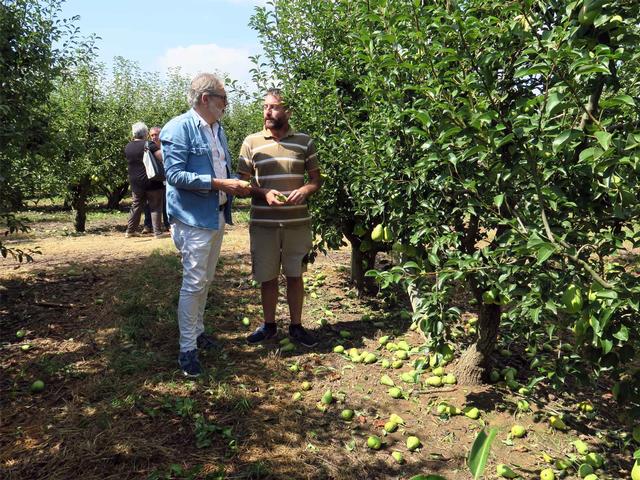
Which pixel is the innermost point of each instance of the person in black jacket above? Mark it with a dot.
(143, 189)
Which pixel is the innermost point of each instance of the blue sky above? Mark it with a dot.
(196, 35)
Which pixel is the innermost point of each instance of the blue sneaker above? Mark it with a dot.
(263, 332)
(189, 364)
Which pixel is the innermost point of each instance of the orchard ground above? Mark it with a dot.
(98, 313)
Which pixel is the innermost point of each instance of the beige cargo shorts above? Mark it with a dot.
(279, 248)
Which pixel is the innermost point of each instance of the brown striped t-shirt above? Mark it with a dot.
(279, 165)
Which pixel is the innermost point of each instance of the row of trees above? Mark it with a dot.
(498, 142)
(67, 118)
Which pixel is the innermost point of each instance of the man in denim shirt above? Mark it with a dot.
(199, 193)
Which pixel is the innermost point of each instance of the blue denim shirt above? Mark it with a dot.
(188, 165)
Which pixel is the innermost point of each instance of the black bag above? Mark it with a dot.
(153, 168)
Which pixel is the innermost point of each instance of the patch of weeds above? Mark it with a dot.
(243, 405)
(205, 431)
(220, 392)
(139, 320)
(182, 406)
(241, 216)
(70, 370)
(178, 472)
(131, 362)
(257, 470)
(147, 298)
(127, 402)
(50, 365)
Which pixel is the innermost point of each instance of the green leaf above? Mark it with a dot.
(561, 139)
(498, 199)
(604, 139)
(545, 250)
(590, 153)
(479, 453)
(428, 477)
(620, 100)
(554, 103)
(622, 334)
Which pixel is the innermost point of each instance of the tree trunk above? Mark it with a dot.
(475, 361)
(15, 200)
(115, 196)
(79, 202)
(360, 263)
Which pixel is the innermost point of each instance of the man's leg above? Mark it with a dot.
(214, 255)
(148, 223)
(195, 246)
(265, 262)
(155, 205)
(296, 244)
(165, 217)
(269, 296)
(137, 204)
(295, 299)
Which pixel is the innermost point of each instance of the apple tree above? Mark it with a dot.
(499, 144)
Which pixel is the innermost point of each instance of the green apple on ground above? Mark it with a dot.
(398, 457)
(37, 386)
(413, 443)
(547, 474)
(347, 414)
(505, 471)
(374, 442)
(327, 398)
(395, 392)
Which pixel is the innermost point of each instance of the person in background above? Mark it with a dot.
(143, 190)
(199, 194)
(280, 228)
(154, 135)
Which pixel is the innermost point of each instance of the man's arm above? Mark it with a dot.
(273, 197)
(176, 154)
(300, 195)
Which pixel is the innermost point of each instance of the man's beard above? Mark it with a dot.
(274, 124)
(216, 112)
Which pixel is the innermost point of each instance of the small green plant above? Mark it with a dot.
(479, 453)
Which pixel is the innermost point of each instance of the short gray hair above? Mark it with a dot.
(203, 83)
(139, 130)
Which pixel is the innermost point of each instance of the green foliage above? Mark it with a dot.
(30, 62)
(499, 142)
(480, 452)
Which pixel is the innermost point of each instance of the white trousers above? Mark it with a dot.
(200, 250)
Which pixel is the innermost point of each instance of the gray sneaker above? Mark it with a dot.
(189, 364)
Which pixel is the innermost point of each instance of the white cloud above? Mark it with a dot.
(209, 58)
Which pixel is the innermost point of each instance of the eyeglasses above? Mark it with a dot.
(223, 97)
(269, 106)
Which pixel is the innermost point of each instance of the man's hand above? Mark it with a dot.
(237, 188)
(297, 197)
(274, 197)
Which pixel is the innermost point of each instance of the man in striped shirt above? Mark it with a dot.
(276, 159)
